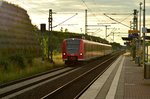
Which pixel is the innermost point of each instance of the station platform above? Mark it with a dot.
(122, 80)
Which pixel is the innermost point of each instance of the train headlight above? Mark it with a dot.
(81, 54)
(64, 53)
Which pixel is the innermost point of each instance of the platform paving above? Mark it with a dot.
(135, 86)
(123, 80)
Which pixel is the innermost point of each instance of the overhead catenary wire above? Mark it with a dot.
(90, 10)
(125, 18)
(92, 13)
(46, 13)
(65, 20)
(116, 21)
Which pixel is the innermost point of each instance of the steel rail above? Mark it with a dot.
(72, 81)
(7, 90)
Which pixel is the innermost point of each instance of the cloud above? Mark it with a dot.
(38, 11)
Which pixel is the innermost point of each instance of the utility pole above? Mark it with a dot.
(86, 22)
(135, 20)
(144, 35)
(50, 49)
(106, 32)
(113, 37)
(135, 40)
(139, 54)
(140, 19)
(144, 41)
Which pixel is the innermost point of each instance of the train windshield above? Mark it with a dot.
(73, 46)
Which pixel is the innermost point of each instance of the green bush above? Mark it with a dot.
(18, 59)
(29, 60)
(4, 64)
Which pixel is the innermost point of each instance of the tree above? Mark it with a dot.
(61, 30)
(66, 30)
(35, 27)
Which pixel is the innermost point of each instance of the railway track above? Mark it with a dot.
(11, 89)
(54, 84)
(78, 85)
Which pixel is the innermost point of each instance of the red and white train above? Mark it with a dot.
(76, 50)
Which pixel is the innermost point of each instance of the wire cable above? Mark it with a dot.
(116, 21)
(90, 10)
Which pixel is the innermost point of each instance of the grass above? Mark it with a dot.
(38, 66)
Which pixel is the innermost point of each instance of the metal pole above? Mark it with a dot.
(48, 35)
(144, 36)
(140, 19)
(50, 31)
(140, 35)
(106, 32)
(42, 37)
(144, 41)
(113, 37)
(135, 20)
(135, 40)
(86, 22)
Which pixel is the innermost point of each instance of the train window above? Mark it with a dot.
(73, 46)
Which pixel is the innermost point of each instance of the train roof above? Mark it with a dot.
(87, 41)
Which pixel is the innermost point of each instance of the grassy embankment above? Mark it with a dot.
(14, 72)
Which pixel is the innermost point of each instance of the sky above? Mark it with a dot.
(74, 12)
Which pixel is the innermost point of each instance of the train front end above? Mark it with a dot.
(72, 50)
